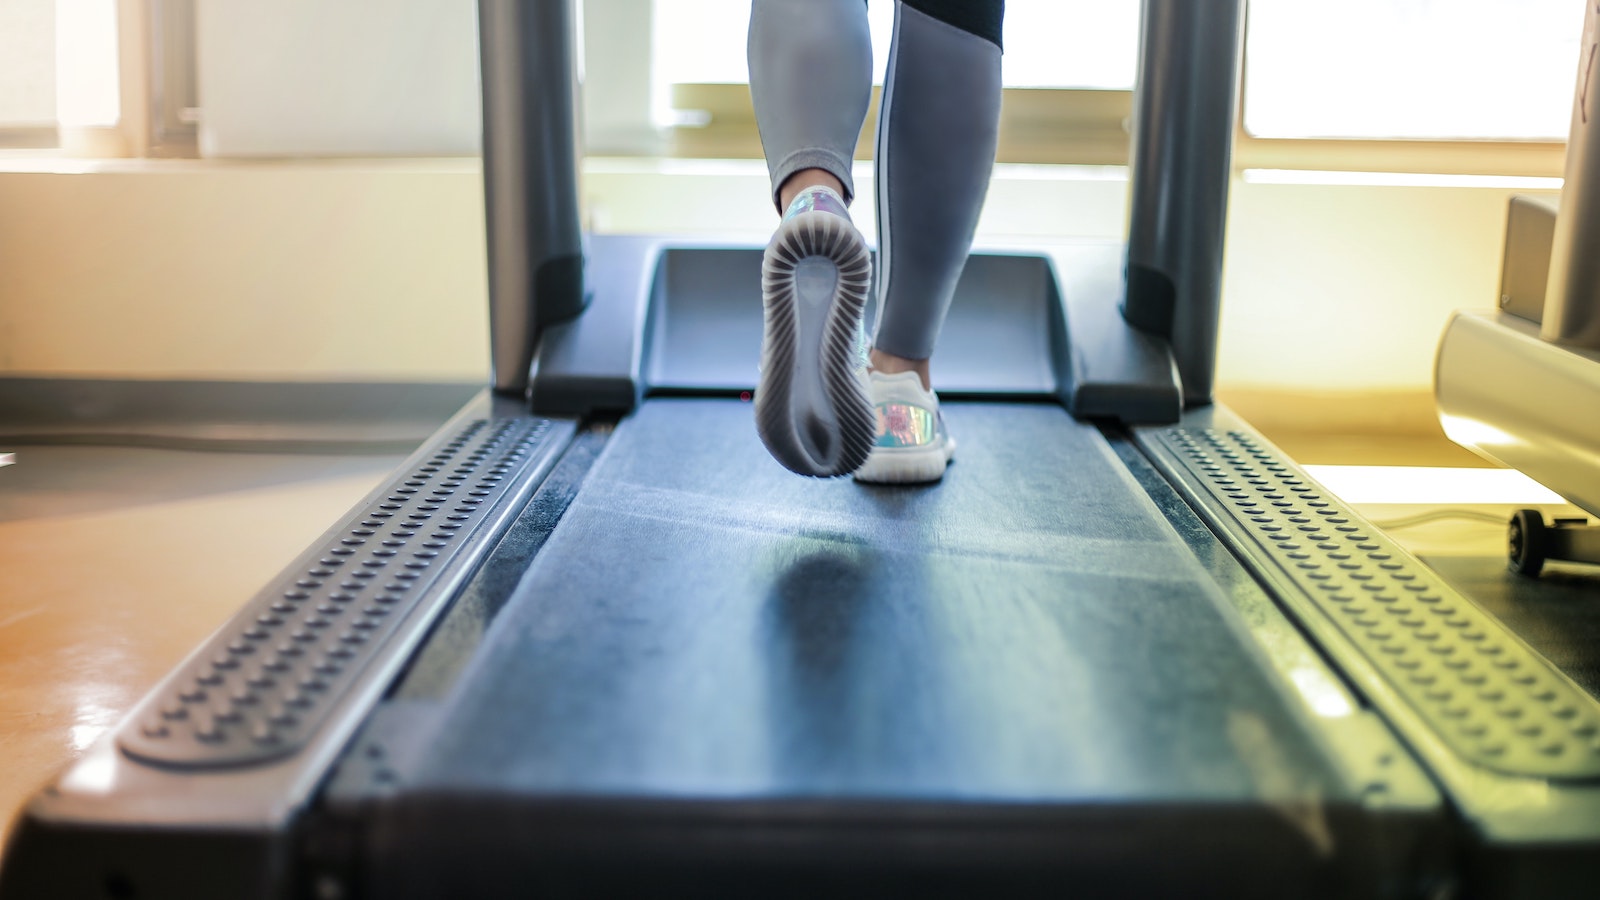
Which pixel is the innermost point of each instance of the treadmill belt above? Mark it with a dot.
(703, 624)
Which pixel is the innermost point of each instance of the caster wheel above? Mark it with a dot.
(1527, 542)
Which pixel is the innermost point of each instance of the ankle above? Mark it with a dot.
(889, 364)
(803, 179)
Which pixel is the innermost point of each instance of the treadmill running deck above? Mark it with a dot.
(707, 642)
(704, 623)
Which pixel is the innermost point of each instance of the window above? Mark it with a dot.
(1412, 69)
(97, 77)
(88, 57)
(1447, 86)
(1049, 43)
(1068, 70)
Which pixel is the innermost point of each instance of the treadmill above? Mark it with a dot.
(590, 640)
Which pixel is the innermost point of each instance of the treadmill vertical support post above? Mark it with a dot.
(530, 177)
(1572, 291)
(1183, 119)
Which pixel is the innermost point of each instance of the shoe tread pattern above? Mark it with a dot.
(815, 234)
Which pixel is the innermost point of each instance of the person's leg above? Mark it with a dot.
(811, 81)
(938, 128)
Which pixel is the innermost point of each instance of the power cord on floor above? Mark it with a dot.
(1439, 515)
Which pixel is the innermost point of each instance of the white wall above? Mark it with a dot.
(1347, 287)
(376, 270)
(279, 271)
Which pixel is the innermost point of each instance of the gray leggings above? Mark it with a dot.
(938, 125)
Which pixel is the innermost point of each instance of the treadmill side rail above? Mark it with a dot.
(196, 792)
(263, 686)
(1508, 736)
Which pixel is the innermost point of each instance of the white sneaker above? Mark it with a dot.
(912, 445)
(811, 412)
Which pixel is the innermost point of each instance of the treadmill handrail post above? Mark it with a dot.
(1181, 161)
(531, 151)
(1572, 290)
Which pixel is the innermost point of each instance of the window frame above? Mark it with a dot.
(19, 137)
(171, 119)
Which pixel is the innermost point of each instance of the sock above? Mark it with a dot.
(819, 198)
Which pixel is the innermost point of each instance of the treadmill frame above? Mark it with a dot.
(112, 824)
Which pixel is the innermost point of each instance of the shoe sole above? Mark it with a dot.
(811, 411)
(907, 465)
